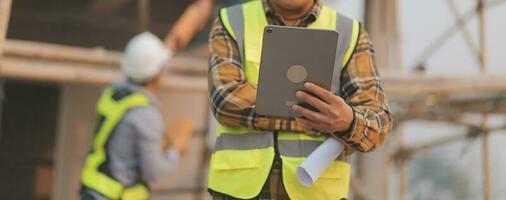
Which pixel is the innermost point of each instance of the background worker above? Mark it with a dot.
(130, 147)
(255, 156)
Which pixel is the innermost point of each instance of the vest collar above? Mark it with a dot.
(312, 16)
(136, 88)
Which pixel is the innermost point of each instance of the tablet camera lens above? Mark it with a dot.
(268, 30)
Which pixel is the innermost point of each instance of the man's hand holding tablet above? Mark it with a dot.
(334, 114)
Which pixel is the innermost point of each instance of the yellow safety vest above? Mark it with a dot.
(242, 158)
(111, 108)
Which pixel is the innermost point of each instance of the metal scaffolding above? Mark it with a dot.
(435, 104)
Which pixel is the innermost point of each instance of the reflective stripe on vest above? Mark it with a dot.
(242, 159)
(111, 110)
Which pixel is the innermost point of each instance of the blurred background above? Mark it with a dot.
(441, 62)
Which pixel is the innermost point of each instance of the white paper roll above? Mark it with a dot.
(318, 161)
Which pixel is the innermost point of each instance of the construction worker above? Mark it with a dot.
(255, 156)
(129, 148)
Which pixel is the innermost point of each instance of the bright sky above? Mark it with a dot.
(423, 21)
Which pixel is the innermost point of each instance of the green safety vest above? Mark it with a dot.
(242, 158)
(111, 107)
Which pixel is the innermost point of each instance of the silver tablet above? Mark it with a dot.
(292, 56)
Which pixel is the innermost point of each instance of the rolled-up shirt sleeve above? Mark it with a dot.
(361, 88)
(153, 161)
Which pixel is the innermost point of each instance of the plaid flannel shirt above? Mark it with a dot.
(233, 98)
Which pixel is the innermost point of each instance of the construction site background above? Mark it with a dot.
(441, 62)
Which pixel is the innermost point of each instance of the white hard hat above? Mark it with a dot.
(145, 56)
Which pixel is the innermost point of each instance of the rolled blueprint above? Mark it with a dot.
(318, 161)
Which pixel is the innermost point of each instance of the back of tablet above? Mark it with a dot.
(290, 57)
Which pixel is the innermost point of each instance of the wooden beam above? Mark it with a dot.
(67, 72)
(55, 52)
(189, 24)
(97, 56)
(483, 46)
(43, 70)
(411, 85)
(448, 108)
(144, 12)
(487, 183)
(381, 22)
(402, 179)
(5, 12)
(408, 152)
